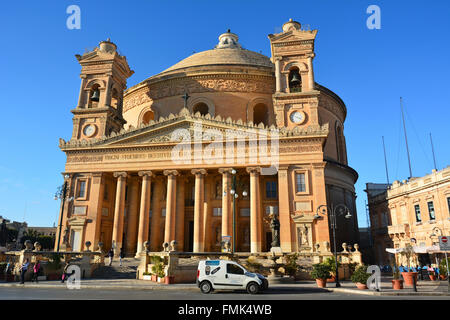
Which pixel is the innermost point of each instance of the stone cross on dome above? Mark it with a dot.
(228, 40)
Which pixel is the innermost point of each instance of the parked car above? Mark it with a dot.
(228, 275)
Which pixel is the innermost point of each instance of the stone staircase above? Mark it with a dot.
(126, 271)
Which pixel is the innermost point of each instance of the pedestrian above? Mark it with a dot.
(65, 274)
(36, 268)
(121, 256)
(110, 255)
(23, 270)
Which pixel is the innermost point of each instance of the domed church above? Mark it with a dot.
(225, 150)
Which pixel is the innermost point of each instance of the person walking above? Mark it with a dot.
(36, 268)
(65, 275)
(110, 255)
(121, 256)
(23, 270)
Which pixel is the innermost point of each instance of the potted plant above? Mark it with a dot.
(332, 265)
(360, 277)
(146, 276)
(432, 275)
(158, 270)
(397, 283)
(321, 272)
(409, 276)
(443, 268)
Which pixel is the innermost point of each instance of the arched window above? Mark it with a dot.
(201, 107)
(260, 114)
(148, 115)
(295, 80)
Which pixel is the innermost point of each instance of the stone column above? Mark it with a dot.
(169, 230)
(119, 207)
(277, 75)
(155, 231)
(198, 209)
(227, 227)
(255, 225)
(284, 211)
(144, 210)
(311, 72)
(179, 217)
(132, 217)
(207, 213)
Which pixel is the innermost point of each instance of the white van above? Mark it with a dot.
(228, 275)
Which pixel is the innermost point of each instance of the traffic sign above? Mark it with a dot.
(444, 243)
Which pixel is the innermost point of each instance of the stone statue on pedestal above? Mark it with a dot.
(275, 226)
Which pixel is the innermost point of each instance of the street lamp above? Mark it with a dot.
(235, 195)
(62, 194)
(333, 212)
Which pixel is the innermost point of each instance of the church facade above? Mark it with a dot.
(207, 152)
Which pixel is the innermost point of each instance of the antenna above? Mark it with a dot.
(406, 138)
(385, 161)
(432, 150)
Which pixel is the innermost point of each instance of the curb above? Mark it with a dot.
(387, 293)
(102, 287)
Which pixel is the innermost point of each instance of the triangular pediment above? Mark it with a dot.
(162, 131)
(294, 35)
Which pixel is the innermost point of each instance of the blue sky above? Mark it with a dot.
(368, 69)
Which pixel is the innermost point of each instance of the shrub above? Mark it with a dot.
(320, 271)
(443, 266)
(291, 265)
(360, 275)
(155, 259)
(253, 266)
(158, 269)
(331, 262)
(55, 262)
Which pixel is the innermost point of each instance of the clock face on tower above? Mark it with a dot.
(297, 117)
(89, 130)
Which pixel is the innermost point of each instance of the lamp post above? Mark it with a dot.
(333, 212)
(62, 194)
(235, 195)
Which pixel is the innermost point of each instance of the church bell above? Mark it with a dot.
(95, 96)
(295, 79)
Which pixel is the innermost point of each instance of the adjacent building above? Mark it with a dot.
(415, 212)
(208, 150)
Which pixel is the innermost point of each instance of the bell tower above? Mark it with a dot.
(104, 74)
(295, 99)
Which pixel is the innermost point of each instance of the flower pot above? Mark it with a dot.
(161, 280)
(442, 276)
(432, 277)
(397, 284)
(147, 277)
(332, 279)
(321, 283)
(168, 279)
(361, 286)
(154, 278)
(409, 278)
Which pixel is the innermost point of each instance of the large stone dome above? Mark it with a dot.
(227, 52)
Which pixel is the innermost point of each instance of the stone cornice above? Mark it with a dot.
(186, 116)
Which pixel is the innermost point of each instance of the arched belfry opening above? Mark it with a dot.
(201, 107)
(148, 115)
(94, 96)
(261, 114)
(295, 80)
